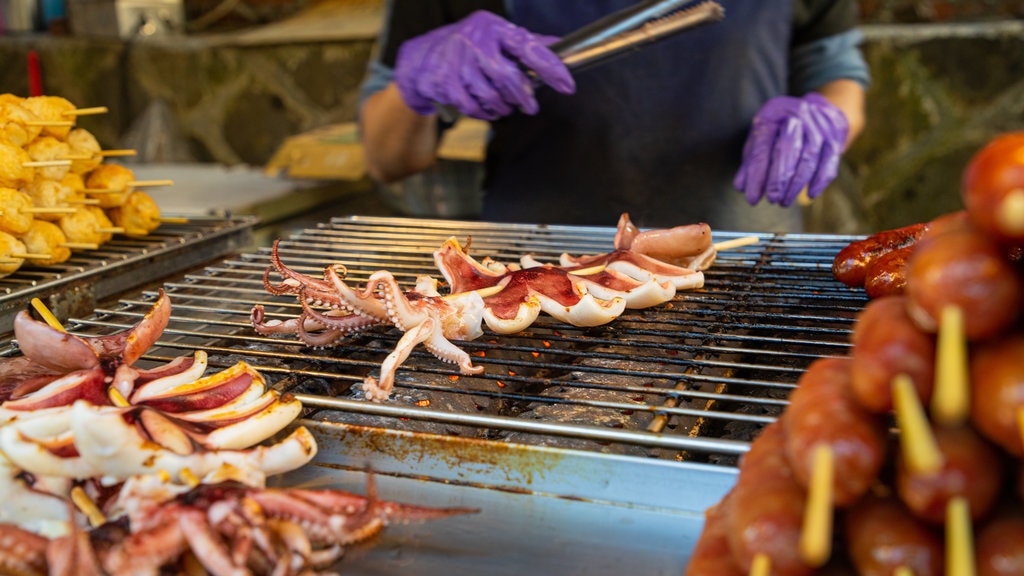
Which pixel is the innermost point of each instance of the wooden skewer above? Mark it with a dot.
(761, 566)
(101, 190)
(959, 538)
(918, 445)
(88, 507)
(903, 571)
(951, 401)
(116, 398)
(85, 201)
(1010, 212)
(74, 157)
(79, 245)
(736, 243)
(46, 163)
(85, 111)
(32, 256)
(48, 316)
(144, 183)
(816, 533)
(173, 220)
(122, 152)
(45, 123)
(5, 260)
(111, 230)
(54, 210)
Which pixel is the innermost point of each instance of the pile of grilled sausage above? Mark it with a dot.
(889, 516)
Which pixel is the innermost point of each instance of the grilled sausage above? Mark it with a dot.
(964, 268)
(886, 343)
(999, 546)
(711, 555)
(822, 409)
(887, 275)
(882, 535)
(851, 263)
(993, 188)
(997, 391)
(766, 514)
(972, 468)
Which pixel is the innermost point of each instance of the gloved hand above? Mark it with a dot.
(475, 66)
(793, 143)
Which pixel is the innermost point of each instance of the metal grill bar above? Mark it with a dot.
(693, 379)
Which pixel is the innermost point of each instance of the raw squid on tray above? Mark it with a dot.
(508, 298)
(110, 468)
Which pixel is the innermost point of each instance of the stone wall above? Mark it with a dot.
(939, 92)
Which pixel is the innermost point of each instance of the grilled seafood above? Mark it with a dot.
(582, 291)
(228, 528)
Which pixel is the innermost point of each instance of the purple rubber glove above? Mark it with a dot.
(478, 65)
(794, 143)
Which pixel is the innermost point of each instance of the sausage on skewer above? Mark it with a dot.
(882, 536)
(822, 410)
(997, 391)
(851, 263)
(972, 468)
(767, 508)
(966, 269)
(1000, 545)
(886, 342)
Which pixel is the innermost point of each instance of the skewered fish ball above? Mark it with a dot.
(83, 227)
(114, 178)
(85, 151)
(75, 182)
(16, 217)
(13, 171)
(47, 238)
(53, 109)
(10, 245)
(139, 215)
(16, 124)
(49, 194)
(49, 149)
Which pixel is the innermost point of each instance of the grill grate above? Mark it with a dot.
(72, 288)
(691, 380)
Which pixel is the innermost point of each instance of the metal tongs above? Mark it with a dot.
(636, 26)
(631, 28)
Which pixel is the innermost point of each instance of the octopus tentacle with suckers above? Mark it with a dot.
(645, 269)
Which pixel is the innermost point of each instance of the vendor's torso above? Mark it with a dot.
(657, 133)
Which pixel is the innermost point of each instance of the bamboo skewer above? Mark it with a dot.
(816, 533)
(951, 401)
(121, 152)
(45, 123)
(54, 210)
(48, 316)
(88, 507)
(86, 111)
(134, 184)
(918, 446)
(111, 230)
(959, 538)
(85, 201)
(46, 163)
(736, 243)
(173, 220)
(79, 245)
(31, 256)
(761, 566)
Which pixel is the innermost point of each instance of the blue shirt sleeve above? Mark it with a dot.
(817, 63)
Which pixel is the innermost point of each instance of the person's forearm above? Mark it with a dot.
(848, 96)
(397, 142)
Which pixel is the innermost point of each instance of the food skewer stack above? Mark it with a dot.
(830, 489)
(56, 193)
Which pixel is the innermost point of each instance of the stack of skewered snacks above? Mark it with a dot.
(946, 358)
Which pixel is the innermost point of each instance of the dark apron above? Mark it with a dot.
(657, 133)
